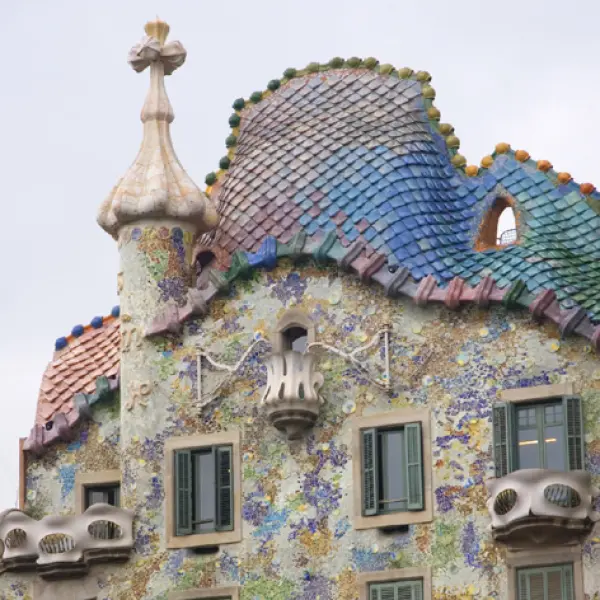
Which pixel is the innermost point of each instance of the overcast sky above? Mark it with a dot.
(521, 71)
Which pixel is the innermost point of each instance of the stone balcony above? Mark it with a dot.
(65, 546)
(539, 506)
(292, 394)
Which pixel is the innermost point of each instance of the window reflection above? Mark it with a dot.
(541, 437)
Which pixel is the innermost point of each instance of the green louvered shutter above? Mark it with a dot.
(574, 432)
(383, 591)
(523, 586)
(546, 583)
(370, 467)
(414, 465)
(409, 590)
(567, 580)
(417, 590)
(396, 590)
(224, 472)
(183, 492)
(502, 438)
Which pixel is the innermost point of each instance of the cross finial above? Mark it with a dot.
(157, 186)
(157, 29)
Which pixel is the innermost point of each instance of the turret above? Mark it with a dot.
(155, 212)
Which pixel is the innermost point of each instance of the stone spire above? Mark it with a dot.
(156, 187)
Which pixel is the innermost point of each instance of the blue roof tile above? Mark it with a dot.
(399, 184)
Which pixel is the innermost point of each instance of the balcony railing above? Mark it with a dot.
(63, 546)
(540, 506)
(292, 394)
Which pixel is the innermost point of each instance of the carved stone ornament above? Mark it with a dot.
(292, 394)
(541, 506)
(64, 546)
(156, 185)
(138, 395)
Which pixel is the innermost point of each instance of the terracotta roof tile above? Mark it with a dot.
(75, 369)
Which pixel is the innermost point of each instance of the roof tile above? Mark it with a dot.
(354, 149)
(75, 369)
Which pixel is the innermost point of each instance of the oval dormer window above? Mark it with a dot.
(499, 227)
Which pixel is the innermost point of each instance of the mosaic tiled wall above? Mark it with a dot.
(297, 496)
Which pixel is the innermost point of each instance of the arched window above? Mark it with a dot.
(294, 331)
(499, 226)
(507, 227)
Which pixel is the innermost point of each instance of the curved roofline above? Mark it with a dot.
(428, 93)
(395, 279)
(61, 426)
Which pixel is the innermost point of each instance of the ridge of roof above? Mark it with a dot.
(60, 427)
(558, 178)
(395, 279)
(81, 373)
(428, 93)
(78, 330)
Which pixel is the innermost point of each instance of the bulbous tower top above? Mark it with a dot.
(156, 186)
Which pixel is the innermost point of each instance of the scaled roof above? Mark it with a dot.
(349, 162)
(84, 369)
(361, 152)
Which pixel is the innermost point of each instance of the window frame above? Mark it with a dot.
(511, 400)
(545, 571)
(364, 580)
(390, 420)
(213, 538)
(538, 406)
(190, 459)
(487, 234)
(534, 557)
(219, 593)
(294, 317)
(83, 481)
(116, 488)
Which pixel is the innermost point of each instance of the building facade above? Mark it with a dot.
(328, 377)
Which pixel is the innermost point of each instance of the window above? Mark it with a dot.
(203, 490)
(546, 583)
(409, 583)
(295, 338)
(499, 227)
(204, 262)
(396, 590)
(294, 331)
(221, 593)
(507, 227)
(546, 434)
(97, 487)
(105, 494)
(553, 570)
(392, 469)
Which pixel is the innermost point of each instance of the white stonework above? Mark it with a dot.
(156, 185)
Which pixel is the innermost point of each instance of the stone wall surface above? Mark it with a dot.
(297, 498)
